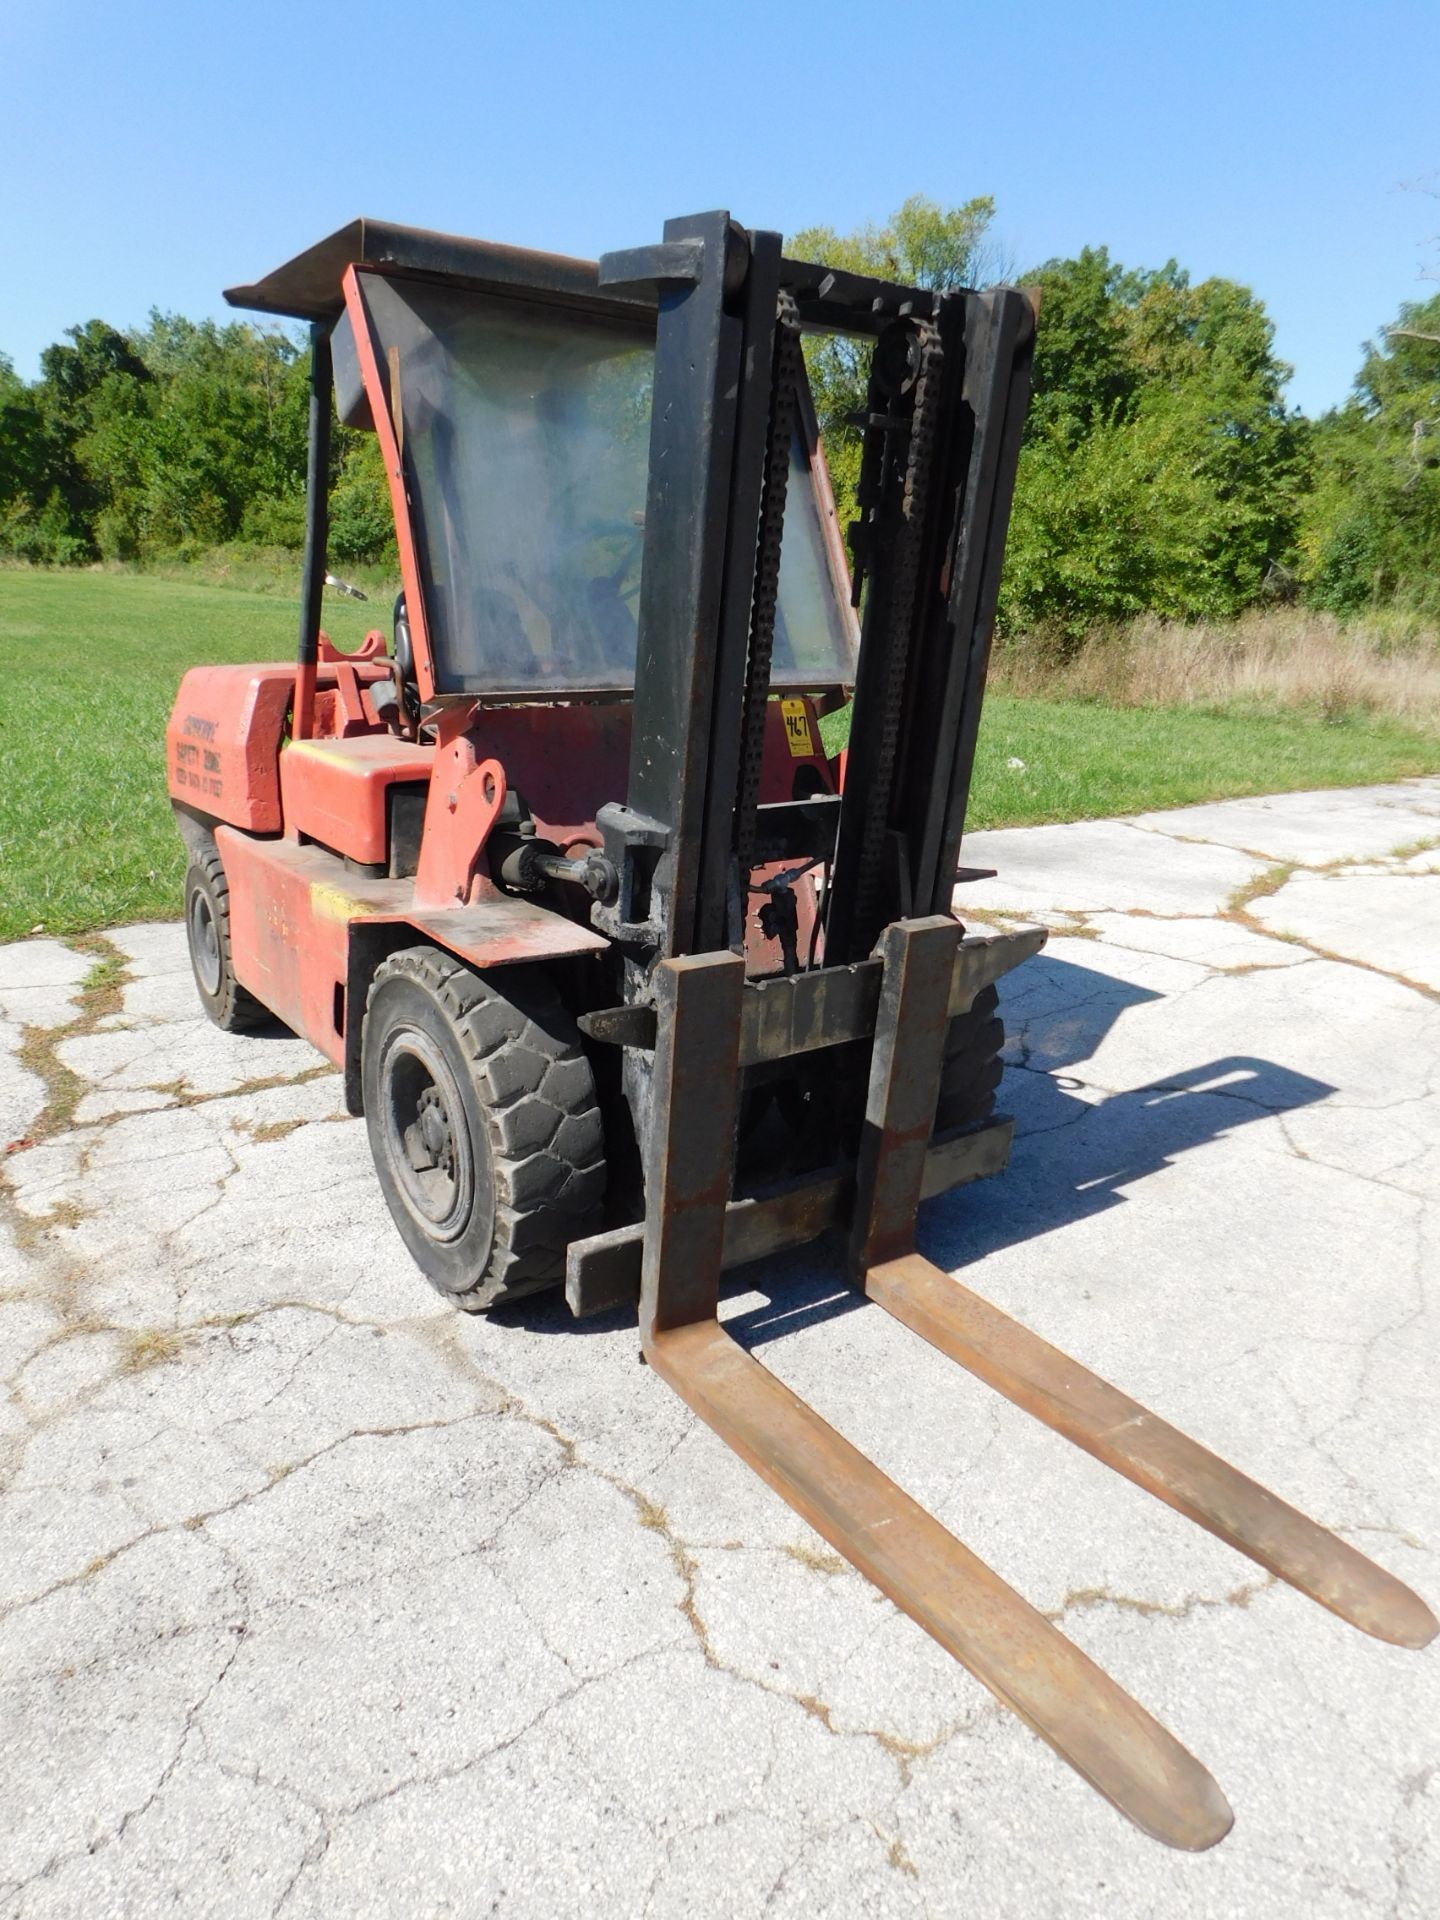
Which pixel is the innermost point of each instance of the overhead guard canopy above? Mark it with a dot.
(308, 287)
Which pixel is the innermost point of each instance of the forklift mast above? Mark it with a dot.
(947, 394)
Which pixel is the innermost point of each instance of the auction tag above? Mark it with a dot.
(797, 730)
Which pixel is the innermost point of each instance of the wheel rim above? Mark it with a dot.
(204, 942)
(427, 1139)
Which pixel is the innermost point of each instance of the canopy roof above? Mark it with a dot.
(308, 287)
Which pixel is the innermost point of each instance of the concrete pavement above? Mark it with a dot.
(318, 1598)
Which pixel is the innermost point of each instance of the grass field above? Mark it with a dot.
(90, 663)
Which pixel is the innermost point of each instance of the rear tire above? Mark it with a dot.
(207, 931)
(483, 1124)
(970, 1076)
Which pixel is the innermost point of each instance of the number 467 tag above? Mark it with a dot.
(797, 730)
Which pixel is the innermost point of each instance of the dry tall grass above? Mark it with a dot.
(1385, 665)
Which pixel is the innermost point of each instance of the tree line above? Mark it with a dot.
(1162, 470)
(170, 440)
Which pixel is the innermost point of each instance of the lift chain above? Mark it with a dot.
(784, 391)
(895, 641)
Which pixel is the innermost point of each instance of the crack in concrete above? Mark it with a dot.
(334, 1818)
(196, 1521)
(653, 1517)
(650, 1515)
(1085, 1599)
(1243, 918)
(195, 1708)
(183, 1097)
(99, 993)
(1237, 910)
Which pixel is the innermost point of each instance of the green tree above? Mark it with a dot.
(21, 430)
(229, 432)
(362, 526)
(1162, 471)
(54, 497)
(179, 436)
(1082, 374)
(117, 453)
(1372, 526)
(1116, 524)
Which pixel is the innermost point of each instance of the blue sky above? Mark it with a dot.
(155, 152)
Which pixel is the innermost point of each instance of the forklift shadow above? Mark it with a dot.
(1088, 1153)
(1095, 1149)
(1056, 1015)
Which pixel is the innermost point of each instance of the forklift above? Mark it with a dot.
(636, 972)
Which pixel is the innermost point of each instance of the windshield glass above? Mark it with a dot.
(814, 646)
(526, 435)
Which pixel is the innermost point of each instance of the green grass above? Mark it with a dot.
(1083, 761)
(89, 664)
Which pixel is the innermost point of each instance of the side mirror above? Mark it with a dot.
(402, 652)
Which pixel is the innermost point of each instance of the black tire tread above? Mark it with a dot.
(233, 1010)
(972, 1070)
(547, 1146)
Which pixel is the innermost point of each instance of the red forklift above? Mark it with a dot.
(632, 975)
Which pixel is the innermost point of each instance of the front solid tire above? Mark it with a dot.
(483, 1124)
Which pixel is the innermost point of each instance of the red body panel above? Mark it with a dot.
(334, 790)
(291, 909)
(290, 933)
(565, 762)
(222, 745)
